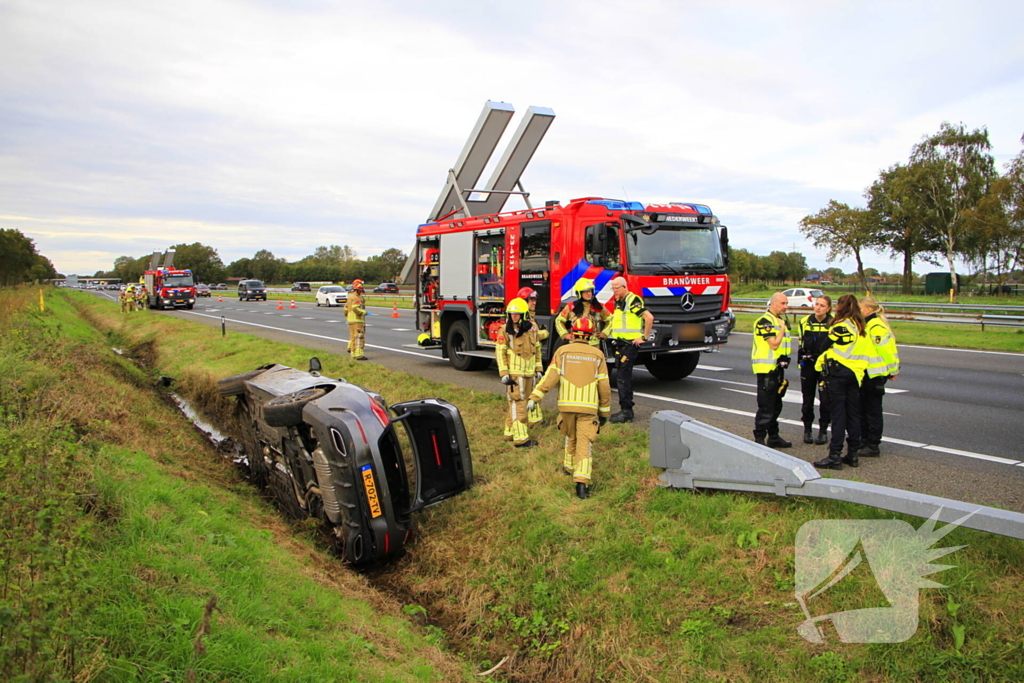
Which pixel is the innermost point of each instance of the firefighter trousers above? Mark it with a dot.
(580, 431)
(516, 418)
(356, 337)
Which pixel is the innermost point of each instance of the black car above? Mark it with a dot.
(300, 287)
(329, 450)
(386, 288)
(251, 289)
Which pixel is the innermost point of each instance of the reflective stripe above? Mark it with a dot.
(626, 324)
(763, 357)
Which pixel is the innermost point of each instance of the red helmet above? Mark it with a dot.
(526, 293)
(357, 284)
(583, 327)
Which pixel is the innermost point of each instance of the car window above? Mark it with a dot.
(789, 292)
(327, 290)
(816, 293)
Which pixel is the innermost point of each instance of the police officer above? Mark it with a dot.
(844, 365)
(355, 314)
(585, 306)
(580, 372)
(813, 333)
(518, 356)
(630, 325)
(769, 358)
(883, 369)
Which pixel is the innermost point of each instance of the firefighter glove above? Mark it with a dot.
(507, 380)
(602, 420)
(530, 405)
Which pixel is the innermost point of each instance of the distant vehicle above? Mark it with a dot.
(251, 289)
(331, 295)
(825, 282)
(300, 287)
(802, 298)
(329, 450)
(202, 290)
(386, 288)
(219, 286)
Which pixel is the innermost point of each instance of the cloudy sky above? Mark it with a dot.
(126, 127)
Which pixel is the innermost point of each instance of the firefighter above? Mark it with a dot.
(630, 325)
(813, 333)
(584, 399)
(586, 305)
(884, 368)
(518, 355)
(769, 358)
(844, 365)
(355, 314)
(535, 416)
(141, 298)
(125, 298)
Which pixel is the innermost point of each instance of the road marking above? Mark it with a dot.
(712, 368)
(309, 318)
(929, 348)
(286, 315)
(334, 321)
(400, 329)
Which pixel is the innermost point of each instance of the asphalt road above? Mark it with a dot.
(954, 419)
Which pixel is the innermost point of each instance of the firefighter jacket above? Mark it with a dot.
(355, 308)
(572, 312)
(519, 355)
(813, 336)
(855, 351)
(581, 373)
(627, 320)
(887, 362)
(763, 358)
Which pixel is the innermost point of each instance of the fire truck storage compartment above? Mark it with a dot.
(534, 262)
(457, 266)
(490, 275)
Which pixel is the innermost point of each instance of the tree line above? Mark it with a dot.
(777, 266)
(947, 202)
(19, 260)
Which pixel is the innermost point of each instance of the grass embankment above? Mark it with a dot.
(131, 551)
(638, 583)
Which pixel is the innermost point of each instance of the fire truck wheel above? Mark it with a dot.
(672, 366)
(235, 385)
(458, 342)
(286, 411)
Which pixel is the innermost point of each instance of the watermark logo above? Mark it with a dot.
(860, 578)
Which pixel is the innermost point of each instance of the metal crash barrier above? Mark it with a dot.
(696, 455)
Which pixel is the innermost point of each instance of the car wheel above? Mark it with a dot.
(235, 385)
(458, 342)
(318, 303)
(189, 307)
(286, 411)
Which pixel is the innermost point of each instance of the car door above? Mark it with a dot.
(444, 465)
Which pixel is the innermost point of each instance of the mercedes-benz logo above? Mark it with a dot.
(687, 301)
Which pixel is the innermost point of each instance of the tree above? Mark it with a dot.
(267, 267)
(333, 255)
(203, 261)
(19, 261)
(843, 232)
(387, 266)
(898, 206)
(956, 171)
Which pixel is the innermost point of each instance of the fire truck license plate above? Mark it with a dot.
(371, 492)
(688, 332)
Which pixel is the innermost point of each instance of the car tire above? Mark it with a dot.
(458, 340)
(235, 385)
(318, 303)
(189, 307)
(286, 411)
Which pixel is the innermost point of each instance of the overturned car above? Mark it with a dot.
(330, 450)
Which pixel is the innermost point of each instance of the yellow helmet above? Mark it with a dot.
(585, 284)
(517, 305)
(423, 339)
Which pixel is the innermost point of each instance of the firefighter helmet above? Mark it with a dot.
(584, 285)
(527, 293)
(517, 305)
(357, 284)
(583, 328)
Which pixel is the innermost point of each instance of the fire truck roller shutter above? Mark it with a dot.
(458, 265)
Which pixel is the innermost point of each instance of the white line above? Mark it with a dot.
(723, 381)
(930, 348)
(712, 368)
(968, 454)
(400, 329)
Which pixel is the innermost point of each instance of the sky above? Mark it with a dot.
(128, 127)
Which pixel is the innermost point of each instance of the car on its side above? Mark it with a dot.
(202, 290)
(249, 290)
(329, 450)
(801, 297)
(331, 295)
(386, 288)
(300, 287)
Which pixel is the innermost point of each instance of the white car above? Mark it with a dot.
(802, 298)
(331, 295)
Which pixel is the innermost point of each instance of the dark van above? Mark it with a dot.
(249, 290)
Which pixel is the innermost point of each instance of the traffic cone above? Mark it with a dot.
(293, 304)
(220, 298)
(394, 310)
(280, 305)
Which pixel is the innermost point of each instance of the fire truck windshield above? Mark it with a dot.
(178, 281)
(674, 248)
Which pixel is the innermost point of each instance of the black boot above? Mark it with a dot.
(759, 439)
(528, 444)
(834, 461)
(869, 451)
(624, 415)
(822, 436)
(808, 437)
(582, 490)
(776, 441)
(851, 458)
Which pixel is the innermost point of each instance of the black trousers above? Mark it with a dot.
(810, 379)
(872, 390)
(769, 407)
(844, 392)
(625, 358)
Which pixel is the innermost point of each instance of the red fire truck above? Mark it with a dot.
(673, 255)
(170, 288)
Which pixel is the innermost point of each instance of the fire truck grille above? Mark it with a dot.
(667, 309)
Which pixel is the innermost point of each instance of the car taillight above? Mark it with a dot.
(382, 416)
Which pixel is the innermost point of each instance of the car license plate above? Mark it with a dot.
(688, 332)
(371, 492)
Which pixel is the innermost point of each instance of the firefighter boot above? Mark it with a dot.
(834, 461)
(869, 450)
(582, 491)
(776, 441)
(822, 436)
(624, 415)
(808, 437)
(528, 444)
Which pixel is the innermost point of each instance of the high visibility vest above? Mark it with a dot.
(887, 361)
(626, 323)
(763, 358)
(855, 351)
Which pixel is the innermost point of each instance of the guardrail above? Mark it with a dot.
(947, 314)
